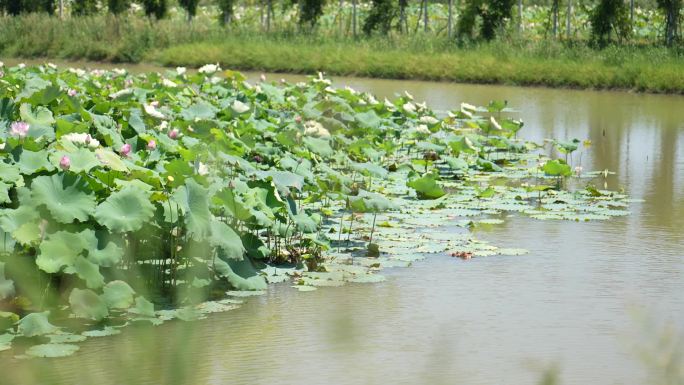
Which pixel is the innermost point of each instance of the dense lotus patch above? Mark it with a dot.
(145, 198)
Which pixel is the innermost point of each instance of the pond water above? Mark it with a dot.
(585, 302)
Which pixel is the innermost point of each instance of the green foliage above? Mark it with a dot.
(380, 17)
(491, 16)
(16, 7)
(607, 18)
(190, 7)
(155, 8)
(672, 11)
(117, 7)
(226, 7)
(309, 13)
(84, 7)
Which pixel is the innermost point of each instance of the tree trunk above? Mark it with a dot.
(269, 11)
(520, 16)
(61, 9)
(425, 15)
(568, 18)
(449, 22)
(340, 14)
(353, 17)
(631, 12)
(555, 18)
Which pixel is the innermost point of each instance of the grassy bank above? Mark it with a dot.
(427, 57)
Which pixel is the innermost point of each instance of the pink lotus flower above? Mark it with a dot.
(298, 119)
(65, 163)
(173, 134)
(72, 92)
(19, 129)
(125, 150)
(151, 145)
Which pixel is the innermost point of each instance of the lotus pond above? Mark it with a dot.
(167, 222)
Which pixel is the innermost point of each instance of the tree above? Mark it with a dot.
(190, 7)
(83, 7)
(16, 7)
(155, 8)
(607, 17)
(226, 7)
(492, 14)
(117, 7)
(672, 10)
(309, 12)
(380, 17)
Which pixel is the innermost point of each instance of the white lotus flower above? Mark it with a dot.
(209, 69)
(423, 129)
(240, 107)
(351, 90)
(2, 64)
(314, 128)
(321, 79)
(408, 96)
(371, 99)
(202, 169)
(21, 65)
(421, 106)
(119, 71)
(52, 65)
(153, 112)
(427, 119)
(2, 145)
(168, 83)
(494, 123)
(117, 94)
(466, 106)
(466, 113)
(163, 126)
(409, 107)
(181, 70)
(330, 90)
(389, 105)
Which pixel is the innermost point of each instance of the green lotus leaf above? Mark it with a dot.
(370, 169)
(194, 202)
(224, 237)
(52, 350)
(6, 285)
(40, 120)
(110, 159)
(318, 146)
(36, 324)
(201, 110)
(556, 167)
(118, 295)
(61, 249)
(82, 159)
(64, 196)
(143, 307)
(87, 271)
(125, 210)
(87, 304)
(10, 174)
(21, 223)
(31, 162)
(240, 274)
(62, 338)
(304, 223)
(426, 187)
(4, 192)
(109, 256)
(283, 179)
(7, 321)
(107, 331)
(370, 202)
(368, 119)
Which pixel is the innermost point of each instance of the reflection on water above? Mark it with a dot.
(568, 304)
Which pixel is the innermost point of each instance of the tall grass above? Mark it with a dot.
(428, 57)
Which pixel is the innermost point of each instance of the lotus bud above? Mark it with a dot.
(257, 159)
(154, 103)
(173, 134)
(262, 77)
(125, 150)
(19, 129)
(298, 119)
(152, 145)
(578, 170)
(72, 92)
(231, 184)
(65, 163)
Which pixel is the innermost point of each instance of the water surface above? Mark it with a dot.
(576, 302)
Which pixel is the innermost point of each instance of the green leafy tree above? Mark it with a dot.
(607, 18)
(117, 7)
(16, 7)
(491, 13)
(83, 7)
(226, 7)
(309, 12)
(672, 10)
(155, 8)
(380, 17)
(190, 7)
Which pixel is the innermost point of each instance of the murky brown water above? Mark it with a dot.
(577, 302)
